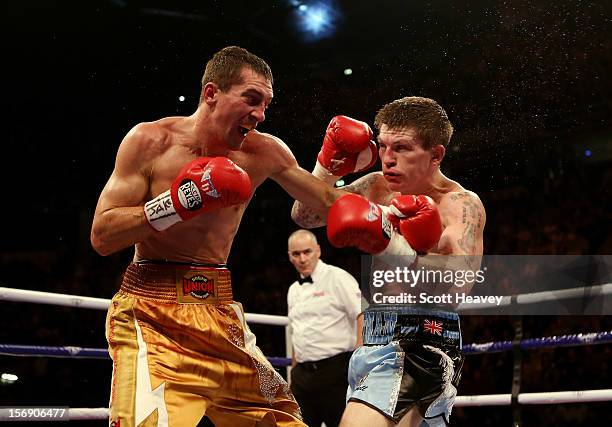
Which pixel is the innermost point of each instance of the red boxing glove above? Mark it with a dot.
(347, 147)
(355, 221)
(419, 220)
(203, 185)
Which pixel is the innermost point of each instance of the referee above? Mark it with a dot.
(323, 306)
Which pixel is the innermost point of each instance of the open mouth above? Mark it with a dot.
(244, 129)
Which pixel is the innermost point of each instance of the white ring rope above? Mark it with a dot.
(543, 398)
(540, 297)
(87, 414)
(557, 397)
(24, 295)
(37, 297)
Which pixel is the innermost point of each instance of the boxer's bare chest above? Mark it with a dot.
(379, 193)
(206, 238)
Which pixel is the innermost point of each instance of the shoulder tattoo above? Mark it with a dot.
(362, 185)
(472, 217)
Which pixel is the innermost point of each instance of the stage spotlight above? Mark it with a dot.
(316, 20)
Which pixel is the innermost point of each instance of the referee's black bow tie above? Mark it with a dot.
(306, 279)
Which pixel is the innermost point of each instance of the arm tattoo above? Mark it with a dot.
(456, 196)
(471, 219)
(305, 217)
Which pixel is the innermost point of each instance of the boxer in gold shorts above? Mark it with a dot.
(179, 344)
(168, 328)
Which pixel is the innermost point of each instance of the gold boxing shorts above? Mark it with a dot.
(181, 348)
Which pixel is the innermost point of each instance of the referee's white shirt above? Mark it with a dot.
(323, 314)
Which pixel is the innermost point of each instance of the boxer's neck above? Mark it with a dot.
(205, 141)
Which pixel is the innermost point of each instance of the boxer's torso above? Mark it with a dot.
(377, 191)
(207, 238)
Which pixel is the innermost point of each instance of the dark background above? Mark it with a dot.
(527, 85)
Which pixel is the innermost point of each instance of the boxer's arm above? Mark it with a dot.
(466, 219)
(300, 184)
(119, 220)
(359, 341)
(347, 148)
(307, 189)
(462, 239)
(367, 186)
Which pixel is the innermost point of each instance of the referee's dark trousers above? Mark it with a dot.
(320, 389)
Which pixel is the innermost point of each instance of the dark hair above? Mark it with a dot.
(425, 115)
(225, 66)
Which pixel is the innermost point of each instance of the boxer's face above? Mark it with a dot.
(406, 165)
(239, 109)
(304, 254)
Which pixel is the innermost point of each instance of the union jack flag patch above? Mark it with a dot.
(432, 327)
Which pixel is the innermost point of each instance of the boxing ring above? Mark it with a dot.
(518, 345)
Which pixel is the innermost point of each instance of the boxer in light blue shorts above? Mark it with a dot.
(411, 356)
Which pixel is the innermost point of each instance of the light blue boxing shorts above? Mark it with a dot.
(411, 357)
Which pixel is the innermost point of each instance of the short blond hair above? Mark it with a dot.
(425, 115)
